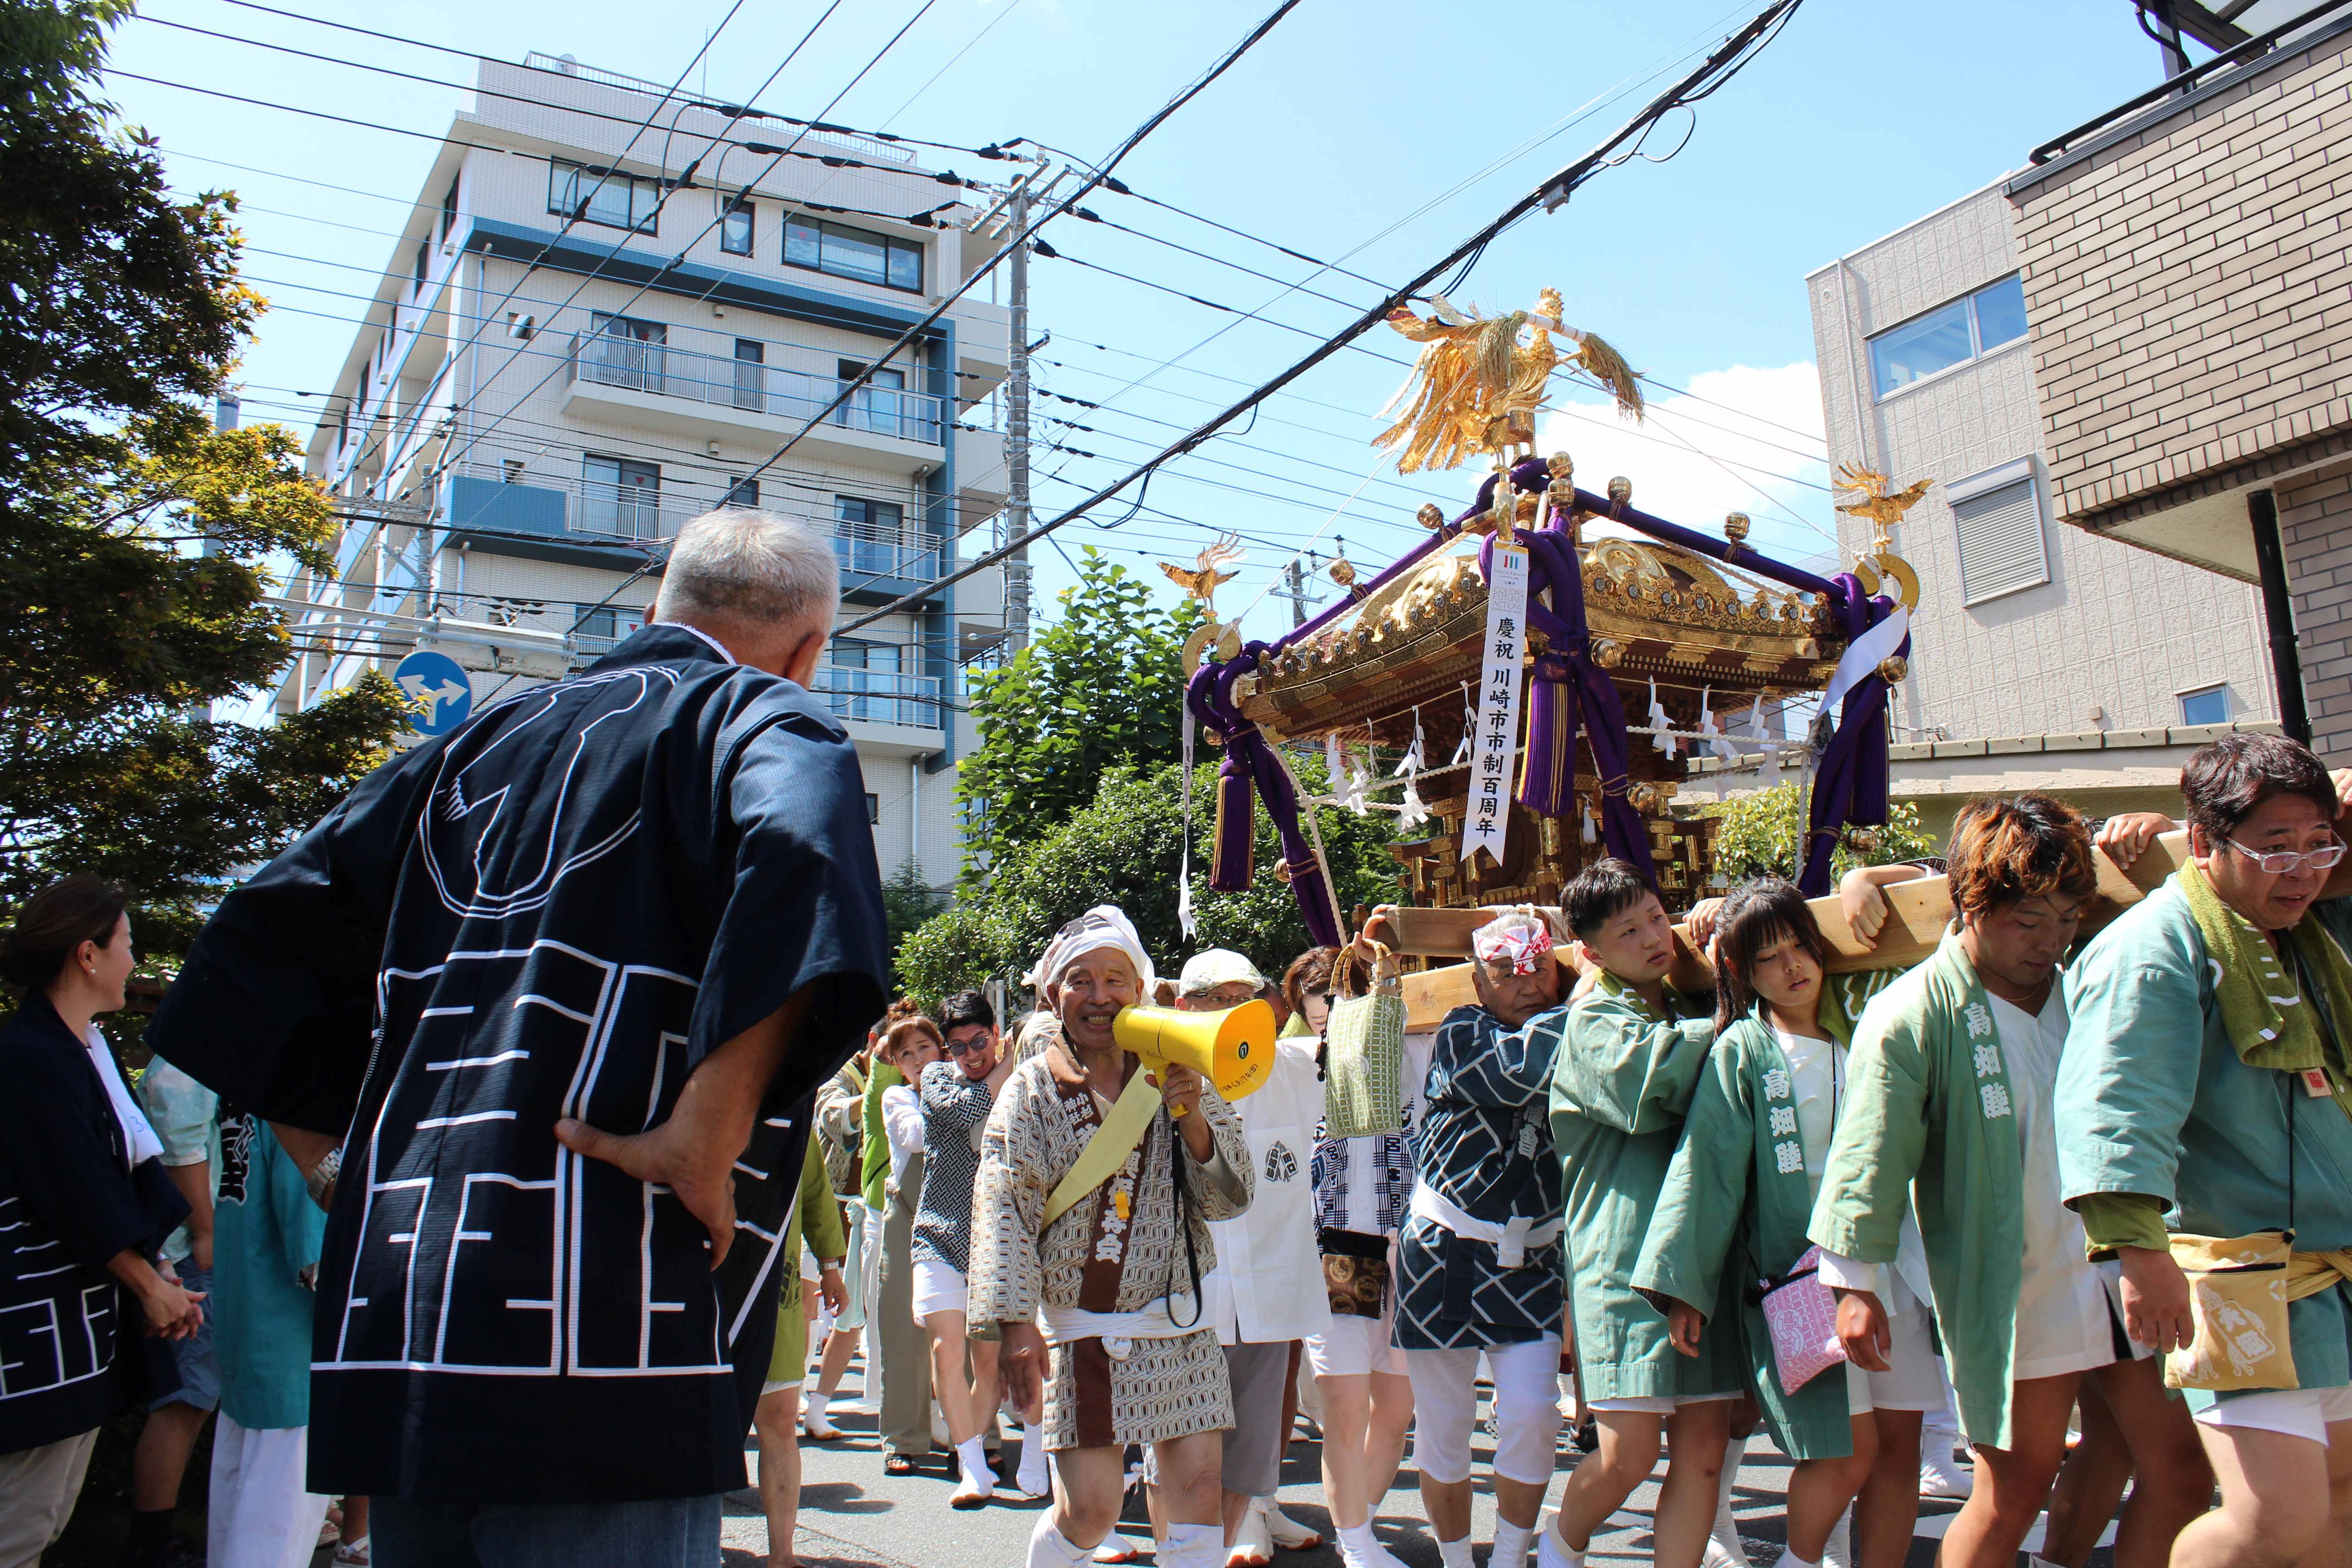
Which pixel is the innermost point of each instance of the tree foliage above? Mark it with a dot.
(1124, 847)
(907, 901)
(136, 539)
(1098, 688)
(1760, 834)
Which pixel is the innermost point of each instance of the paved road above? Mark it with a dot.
(852, 1515)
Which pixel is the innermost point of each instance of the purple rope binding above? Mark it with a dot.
(1250, 762)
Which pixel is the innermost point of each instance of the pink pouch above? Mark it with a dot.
(1801, 1313)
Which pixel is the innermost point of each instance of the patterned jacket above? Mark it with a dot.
(1091, 1256)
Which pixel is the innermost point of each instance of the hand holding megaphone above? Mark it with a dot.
(1233, 1050)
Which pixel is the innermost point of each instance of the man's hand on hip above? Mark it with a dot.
(693, 1153)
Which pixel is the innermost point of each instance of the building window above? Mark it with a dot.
(870, 536)
(873, 809)
(750, 380)
(2206, 705)
(599, 629)
(1947, 335)
(620, 495)
(735, 224)
(854, 253)
(449, 207)
(603, 196)
(622, 350)
(423, 262)
(2004, 546)
(743, 493)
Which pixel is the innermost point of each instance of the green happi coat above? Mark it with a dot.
(2153, 1099)
(1928, 1124)
(1734, 1204)
(1621, 1081)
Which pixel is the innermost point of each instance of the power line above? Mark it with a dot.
(1719, 67)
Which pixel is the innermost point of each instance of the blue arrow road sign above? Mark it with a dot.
(440, 690)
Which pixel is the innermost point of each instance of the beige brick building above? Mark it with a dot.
(2187, 264)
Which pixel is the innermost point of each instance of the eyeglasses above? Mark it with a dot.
(965, 1047)
(2285, 862)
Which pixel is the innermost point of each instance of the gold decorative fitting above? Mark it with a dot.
(1734, 526)
(1561, 466)
(1201, 580)
(1343, 571)
(1621, 489)
(1863, 839)
(1429, 516)
(1881, 507)
(1809, 648)
(1608, 652)
(1282, 872)
(1893, 668)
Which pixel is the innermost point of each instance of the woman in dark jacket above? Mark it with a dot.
(84, 1209)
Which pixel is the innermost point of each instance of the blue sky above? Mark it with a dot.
(1377, 132)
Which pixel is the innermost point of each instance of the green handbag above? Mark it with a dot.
(1363, 1074)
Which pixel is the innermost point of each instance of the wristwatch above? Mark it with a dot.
(321, 1179)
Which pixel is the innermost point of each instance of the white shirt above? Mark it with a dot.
(902, 1124)
(1267, 1286)
(2061, 1302)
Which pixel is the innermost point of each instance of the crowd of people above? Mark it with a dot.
(535, 1128)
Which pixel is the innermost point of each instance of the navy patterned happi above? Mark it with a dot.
(558, 909)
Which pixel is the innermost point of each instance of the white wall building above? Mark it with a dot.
(608, 311)
(2042, 657)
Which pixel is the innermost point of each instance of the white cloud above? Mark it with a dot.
(1749, 417)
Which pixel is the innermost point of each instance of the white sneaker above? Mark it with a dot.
(1286, 1532)
(1117, 1548)
(1941, 1476)
(1253, 1546)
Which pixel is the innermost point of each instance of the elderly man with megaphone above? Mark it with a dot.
(1104, 1159)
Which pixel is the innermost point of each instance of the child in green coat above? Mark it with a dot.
(1632, 1046)
(1733, 1210)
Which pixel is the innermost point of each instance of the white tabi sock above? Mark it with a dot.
(1192, 1546)
(2038, 1561)
(813, 1407)
(1511, 1543)
(1033, 1477)
(1789, 1558)
(971, 1454)
(1359, 1545)
(1049, 1548)
(1551, 1552)
(1723, 1547)
(1455, 1553)
(1839, 1551)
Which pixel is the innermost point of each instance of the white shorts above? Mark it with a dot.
(767, 1388)
(937, 1288)
(1654, 1404)
(1912, 1381)
(1354, 1347)
(1527, 1410)
(2305, 1413)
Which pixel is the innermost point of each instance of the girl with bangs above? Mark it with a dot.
(1730, 1222)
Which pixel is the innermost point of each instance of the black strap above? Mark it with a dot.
(1176, 1162)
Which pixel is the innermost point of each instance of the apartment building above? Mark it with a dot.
(2042, 658)
(2187, 265)
(609, 309)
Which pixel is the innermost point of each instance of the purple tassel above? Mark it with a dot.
(1232, 862)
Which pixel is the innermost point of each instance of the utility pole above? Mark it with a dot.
(1016, 429)
(1295, 589)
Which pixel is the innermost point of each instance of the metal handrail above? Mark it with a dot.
(608, 359)
(881, 696)
(2193, 77)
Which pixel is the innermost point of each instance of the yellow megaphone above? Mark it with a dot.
(1232, 1050)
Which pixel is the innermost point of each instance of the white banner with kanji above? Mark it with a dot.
(1494, 744)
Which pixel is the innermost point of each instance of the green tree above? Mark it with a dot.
(907, 901)
(1124, 847)
(1760, 834)
(1099, 687)
(135, 539)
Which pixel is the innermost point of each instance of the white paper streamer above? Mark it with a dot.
(1495, 735)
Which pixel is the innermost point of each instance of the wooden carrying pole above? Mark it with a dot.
(1918, 912)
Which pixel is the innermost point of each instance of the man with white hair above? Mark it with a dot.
(1479, 1265)
(544, 988)
(1089, 1241)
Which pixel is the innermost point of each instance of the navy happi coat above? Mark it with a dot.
(557, 910)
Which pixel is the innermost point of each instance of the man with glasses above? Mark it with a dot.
(2206, 1075)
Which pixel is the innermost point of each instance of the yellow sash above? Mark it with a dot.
(1108, 1150)
(2238, 1287)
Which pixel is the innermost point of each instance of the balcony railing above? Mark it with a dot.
(881, 696)
(611, 361)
